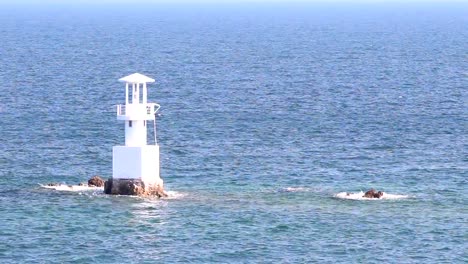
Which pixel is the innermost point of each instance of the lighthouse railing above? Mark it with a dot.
(146, 111)
(152, 108)
(121, 110)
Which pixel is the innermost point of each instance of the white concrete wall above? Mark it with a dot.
(136, 134)
(126, 162)
(136, 163)
(150, 164)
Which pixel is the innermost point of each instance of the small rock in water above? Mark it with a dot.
(378, 194)
(96, 181)
(373, 194)
(133, 187)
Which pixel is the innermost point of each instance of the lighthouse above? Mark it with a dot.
(135, 165)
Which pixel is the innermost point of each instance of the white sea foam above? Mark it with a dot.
(82, 188)
(359, 196)
(72, 188)
(174, 195)
(295, 189)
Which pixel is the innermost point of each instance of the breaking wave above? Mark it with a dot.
(72, 188)
(171, 195)
(295, 189)
(174, 195)
(359, 196)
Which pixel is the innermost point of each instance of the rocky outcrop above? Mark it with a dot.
(133, 187)
(121, 186)
(373, 194)
(369, 194)
(96, 181)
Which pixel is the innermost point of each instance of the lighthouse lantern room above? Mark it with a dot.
(137, 160)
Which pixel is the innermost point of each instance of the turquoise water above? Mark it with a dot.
(268, 111)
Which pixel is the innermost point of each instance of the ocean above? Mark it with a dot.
(268, 112)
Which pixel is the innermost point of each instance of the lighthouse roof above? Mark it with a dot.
(136, 78)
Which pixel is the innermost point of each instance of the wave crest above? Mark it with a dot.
(72, 188)
(172, 195)
(359, 196)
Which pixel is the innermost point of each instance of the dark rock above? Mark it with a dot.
(370, 193)
(132, 187)
(108, 186)
(53, 184)
(96, 181)
(373, 194)
(378, 194)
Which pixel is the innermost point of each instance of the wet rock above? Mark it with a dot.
(53, 184)
(369, 194)
(108, 186)
(96, 181)
(378, 194)
(373, 194)
(133, 187)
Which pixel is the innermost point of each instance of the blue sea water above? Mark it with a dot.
(268, 111)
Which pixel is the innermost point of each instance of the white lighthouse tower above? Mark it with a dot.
(135, 166)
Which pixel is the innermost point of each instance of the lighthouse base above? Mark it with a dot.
(133, 187)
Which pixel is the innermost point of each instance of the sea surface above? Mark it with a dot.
(268, 111)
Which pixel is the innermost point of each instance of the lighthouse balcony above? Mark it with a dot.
(137, 111)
